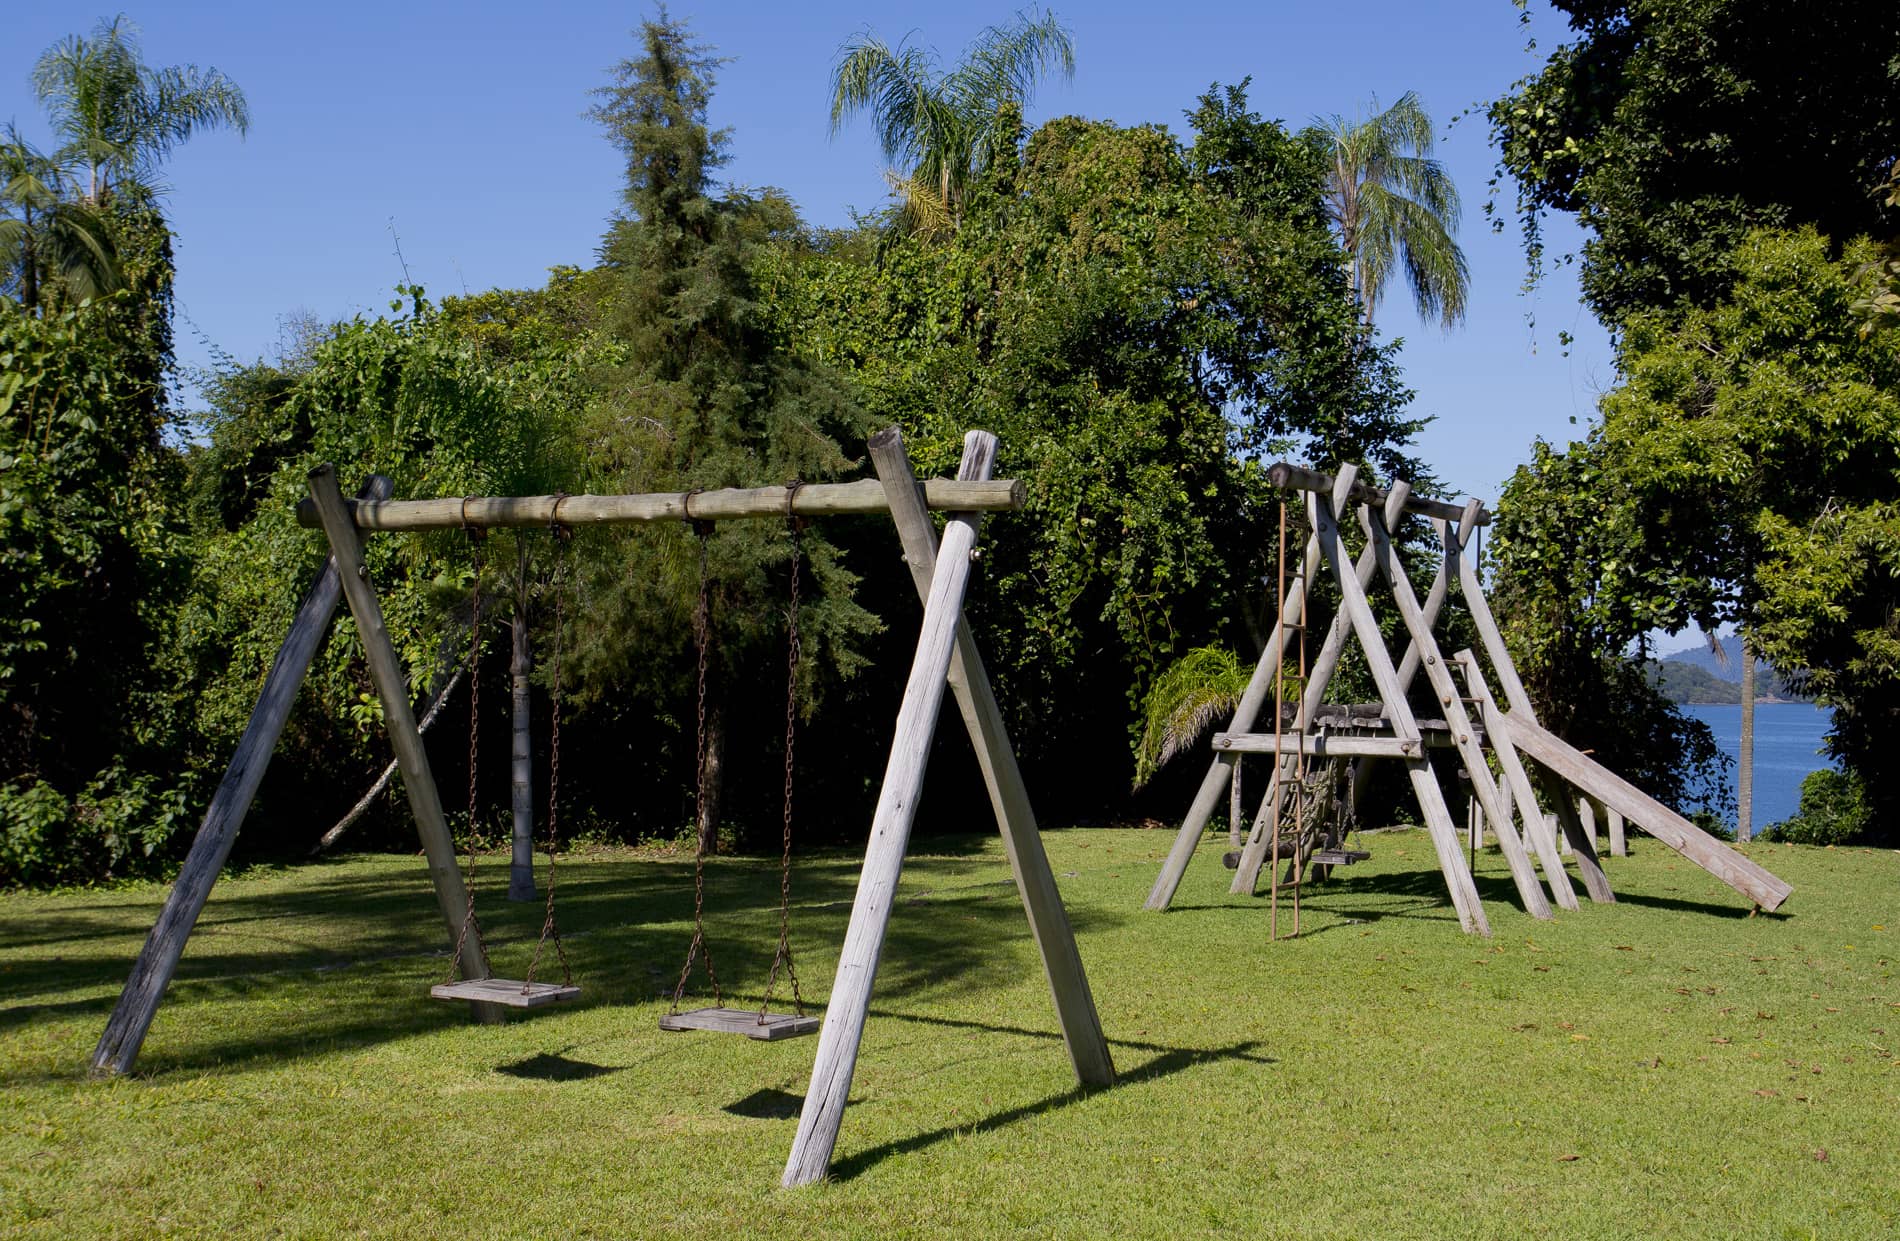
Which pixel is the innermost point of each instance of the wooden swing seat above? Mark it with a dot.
(1339, 857)
(768, 1027)
(509, 991)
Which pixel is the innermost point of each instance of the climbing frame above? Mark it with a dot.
(1472, 723)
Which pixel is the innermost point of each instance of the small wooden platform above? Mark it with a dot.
(747, 1021)
(510, 991)
(1339, 857)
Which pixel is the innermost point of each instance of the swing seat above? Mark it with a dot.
(509, 991)
(1339, 857)
(768, 1027)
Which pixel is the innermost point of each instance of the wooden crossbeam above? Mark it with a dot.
(809, 500)
(1320, 745)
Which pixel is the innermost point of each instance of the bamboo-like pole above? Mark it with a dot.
(812, 500)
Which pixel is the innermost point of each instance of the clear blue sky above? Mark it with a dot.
(464, 124)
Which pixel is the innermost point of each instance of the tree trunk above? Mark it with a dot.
(1745, 779)
(521, 868)
(712, 781)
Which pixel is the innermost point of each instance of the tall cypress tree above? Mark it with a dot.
(705, 395)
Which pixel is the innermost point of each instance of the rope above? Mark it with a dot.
(702, 638)
(475, 535)
(783, 954)
(549, 930)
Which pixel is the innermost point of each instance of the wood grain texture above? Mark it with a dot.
(811, 500)
(843, 1029)
(509, 992)
(157, 962)
(767, 1028)
(1522, 796)
(1444, 835)
(1049, 925)
(392, 690)
(1616, 793)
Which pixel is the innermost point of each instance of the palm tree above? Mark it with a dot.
(117, 117)
(941, 130)
(48, 240)
(1394, 206)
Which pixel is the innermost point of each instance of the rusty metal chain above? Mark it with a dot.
(783, 954)
(475, 536)
(549, 929)
(702, 639)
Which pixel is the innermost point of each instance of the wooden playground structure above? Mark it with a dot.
(946, 654)
(1300, 823)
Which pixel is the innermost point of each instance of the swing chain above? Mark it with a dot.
(702, 638)
(783, 954)
(475, 536)
(549, 928)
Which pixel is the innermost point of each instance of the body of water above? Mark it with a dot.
(1787, 747)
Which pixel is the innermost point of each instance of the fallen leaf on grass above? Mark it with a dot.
(1820, 1156)
(1767, 1094)
(1568, 1158)
(1625, 948)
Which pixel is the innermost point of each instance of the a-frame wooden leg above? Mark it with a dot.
(1254, 853)
(1431, 799)
(1220, 771)
(1519, 782)
(838, 1039)
(392, 688)
(1009, 796)
(1463, 735)
(118, 1047)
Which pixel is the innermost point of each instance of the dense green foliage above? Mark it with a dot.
(1671, 128)
(1834, 810)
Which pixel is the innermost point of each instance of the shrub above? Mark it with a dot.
(1834, 810)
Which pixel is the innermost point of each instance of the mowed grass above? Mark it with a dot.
(1666, 1065)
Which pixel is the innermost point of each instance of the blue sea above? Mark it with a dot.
(1787, 744)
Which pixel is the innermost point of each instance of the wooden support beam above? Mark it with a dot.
(1598, 781)
(1259, 691)
(1318, 745)
(1447, 692)
(1619, 845)
(392, 689)
(1002, 776)
(1518, 784)
(1444, 835)
(843, 1030)
(157, 962)
(1254, 853)
(812, 500)
(1298, 478)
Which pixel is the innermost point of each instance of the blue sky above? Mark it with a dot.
(464, 125)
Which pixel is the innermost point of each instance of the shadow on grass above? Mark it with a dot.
(554, 1066)
(1166, 1062)
(767, 1104)
(345, 959)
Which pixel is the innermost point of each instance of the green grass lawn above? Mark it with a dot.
(1663, 1066)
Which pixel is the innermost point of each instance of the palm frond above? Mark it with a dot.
(1195, 692)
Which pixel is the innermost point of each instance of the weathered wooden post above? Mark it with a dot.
(152, 973)
(392, 689)
(843, 1030)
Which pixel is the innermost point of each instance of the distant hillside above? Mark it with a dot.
(1697, 675)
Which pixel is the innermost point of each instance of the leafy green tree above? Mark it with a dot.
(1139, 321)
(710, 394)
(1670, 128)
(1395, 208)
(1742, 473)
(942, 129)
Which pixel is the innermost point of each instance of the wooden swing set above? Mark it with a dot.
(946, 654)
(1351, 738)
